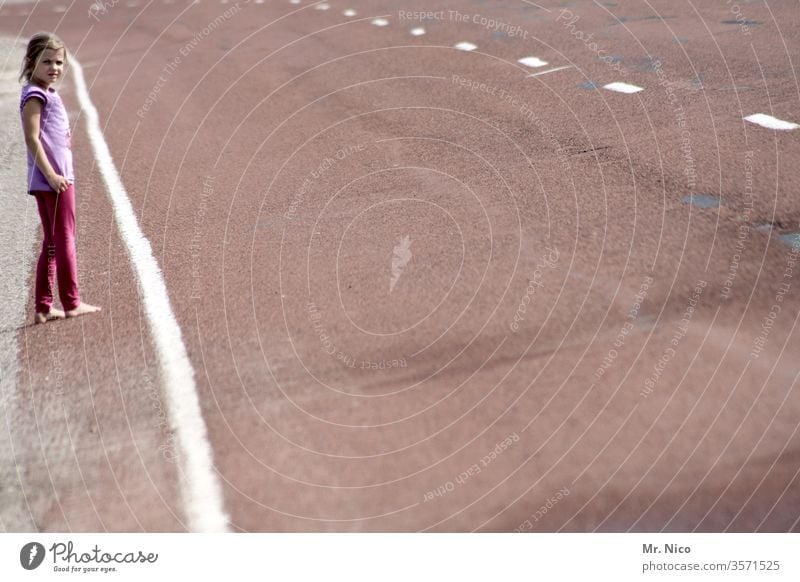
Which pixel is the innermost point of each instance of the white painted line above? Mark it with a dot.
(623, 88)
(765, 120)
(419, 31)
(323, 6)
(349, 12)
(466, 46)
(550, 71)
(532, 62)
(380, 22)
(200, 489)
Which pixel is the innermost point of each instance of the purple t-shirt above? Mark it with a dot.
(54, 134)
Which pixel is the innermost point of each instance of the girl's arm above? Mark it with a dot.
(31, 117)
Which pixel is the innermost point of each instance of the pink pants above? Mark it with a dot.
(57, 259)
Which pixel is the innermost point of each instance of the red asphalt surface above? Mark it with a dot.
(276, 171)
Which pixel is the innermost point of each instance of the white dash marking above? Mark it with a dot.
(294, 1)
(532, 62)
(349, 12)
(323, 6)
(200, 490)
(466, 46)
(623, 87)
(419, 31)
(380, 22)
(550, 71)
(770, 122)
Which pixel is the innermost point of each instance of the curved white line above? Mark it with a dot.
(200, 489)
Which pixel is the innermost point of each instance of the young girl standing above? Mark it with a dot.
(51, 177)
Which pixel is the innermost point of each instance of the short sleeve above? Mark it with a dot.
(33, 92)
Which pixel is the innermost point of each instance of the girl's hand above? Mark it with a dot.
(58, 183)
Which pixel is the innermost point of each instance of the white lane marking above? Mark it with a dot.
(532, 62)
(765, 120)
(380, 22)
(419, 31)
(550, 71)
(200, 488)
(623, 87)
(323, 6)
(349, 12)
(466, 46)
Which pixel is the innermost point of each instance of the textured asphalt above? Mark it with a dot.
(421, 290)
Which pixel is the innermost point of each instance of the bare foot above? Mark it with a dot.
(49, 316)
(83, 309)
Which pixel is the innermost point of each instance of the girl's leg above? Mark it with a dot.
(46, 267)
(63, 238)
(57, 260)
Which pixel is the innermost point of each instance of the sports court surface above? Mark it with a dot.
(411, 266)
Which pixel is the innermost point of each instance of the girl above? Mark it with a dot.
(51, 177)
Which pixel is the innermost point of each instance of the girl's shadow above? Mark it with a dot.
(4, 330)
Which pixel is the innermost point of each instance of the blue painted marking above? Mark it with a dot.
(744, 22)
(701, 200)
(648, 64)
(589, 85)
(791, 239)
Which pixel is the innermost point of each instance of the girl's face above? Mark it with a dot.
(49, 68)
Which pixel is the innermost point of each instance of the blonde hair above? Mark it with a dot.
(38, 43)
